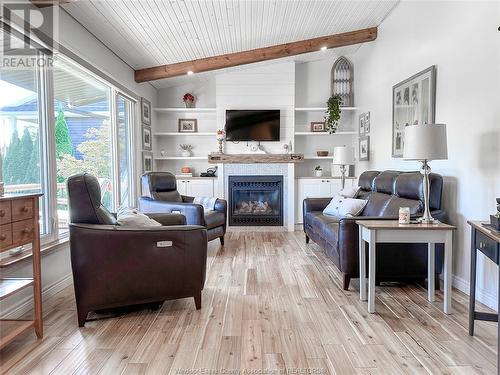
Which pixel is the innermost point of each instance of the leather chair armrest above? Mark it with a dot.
(221, 205)
(193, 212)
(168, 219)
(315, 204)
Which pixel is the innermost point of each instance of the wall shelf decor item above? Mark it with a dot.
(318, 127)
(413, 103)
(146, 137)
(364, 124)
(147, 161)
(145, 111)
(188, 125)
(364, 148)
(343, 81)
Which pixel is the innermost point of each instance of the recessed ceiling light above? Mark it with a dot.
(323, 48)
(189, 72)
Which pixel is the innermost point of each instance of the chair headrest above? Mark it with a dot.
(84, 198)
(155, 182)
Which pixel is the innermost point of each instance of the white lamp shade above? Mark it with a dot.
(425, 142)
(343, 155)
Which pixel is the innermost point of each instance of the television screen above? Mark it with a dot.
(253, 125)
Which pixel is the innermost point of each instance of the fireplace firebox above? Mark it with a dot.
(255, 200)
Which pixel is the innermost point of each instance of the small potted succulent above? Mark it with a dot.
(188, 100)
(495, 219)
(186, 150)
(318, 171)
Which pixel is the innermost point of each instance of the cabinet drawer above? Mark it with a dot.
(5, 213)
(22, 232)
(487, 246)
(5, 236)
(22, 209)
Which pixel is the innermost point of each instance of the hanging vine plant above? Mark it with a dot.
(333, 113)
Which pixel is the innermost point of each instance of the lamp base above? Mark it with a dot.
(429, 220)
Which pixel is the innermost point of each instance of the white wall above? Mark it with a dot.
(461, 38)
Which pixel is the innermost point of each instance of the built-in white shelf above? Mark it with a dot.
(181, 109)
(326, 133)
(318, 109)
(184, 134)
(181, 158)
(316, 157)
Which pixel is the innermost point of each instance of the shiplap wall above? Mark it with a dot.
(269, 86)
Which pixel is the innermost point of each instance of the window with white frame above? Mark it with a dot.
(87, 129)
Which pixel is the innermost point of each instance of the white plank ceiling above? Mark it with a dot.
(147, 33)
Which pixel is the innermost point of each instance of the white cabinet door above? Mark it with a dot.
(309, 188)
(200, 188)
(182, 187)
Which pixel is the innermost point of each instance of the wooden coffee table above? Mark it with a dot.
(383, 231)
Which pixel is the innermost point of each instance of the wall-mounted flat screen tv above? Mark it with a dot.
(253, 125)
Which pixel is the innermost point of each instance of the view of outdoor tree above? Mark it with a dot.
(21, 162)
(96, 155)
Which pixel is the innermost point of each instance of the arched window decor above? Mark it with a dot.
(342, 81)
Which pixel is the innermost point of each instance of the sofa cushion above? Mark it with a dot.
(384, 182)
(325, 226)
(131, 217)
(377, 202)
(392, 208)
(214, 219)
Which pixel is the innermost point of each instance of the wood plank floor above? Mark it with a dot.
(270, 303)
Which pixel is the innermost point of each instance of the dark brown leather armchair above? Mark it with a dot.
(160, 195)
(385, 192)
(115, 266)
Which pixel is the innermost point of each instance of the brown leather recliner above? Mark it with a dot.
(115, 266)
(159, 195)
(386, 192)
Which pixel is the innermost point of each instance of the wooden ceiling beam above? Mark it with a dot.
(256, 55)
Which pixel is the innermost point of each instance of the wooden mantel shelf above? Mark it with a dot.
(217, 158)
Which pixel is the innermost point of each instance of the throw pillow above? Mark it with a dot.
(131, 217)
(340, 206)
(349, 192)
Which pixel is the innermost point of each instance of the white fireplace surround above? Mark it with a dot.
(276, 169)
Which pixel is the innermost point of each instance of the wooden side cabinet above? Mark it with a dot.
(19, 226)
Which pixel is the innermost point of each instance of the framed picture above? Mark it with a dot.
(364, 148)
(367, 123)
(413, 103)
(147, 161)
(188, 125)
(145, 111)
(318, 127)
(361, 129)
(146, 137)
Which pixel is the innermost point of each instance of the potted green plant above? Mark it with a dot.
(333, 113)
(318, 171)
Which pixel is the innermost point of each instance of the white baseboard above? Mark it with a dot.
(25, 305)
(482, 295)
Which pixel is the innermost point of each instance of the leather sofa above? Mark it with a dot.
(160, 195)
(116, 266)
(386, 192)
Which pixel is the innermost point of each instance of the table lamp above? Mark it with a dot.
(424, 143)
(343, 156)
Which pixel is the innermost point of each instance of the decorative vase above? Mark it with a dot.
(318, 173)
(186, 153)
(189, 104)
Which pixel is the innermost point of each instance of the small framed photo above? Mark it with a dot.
(367, 123)
(188, 125)
(364, 148)
(318, 127)
(361, 129)
(147, 161)
(146, 138)
(145, 111)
